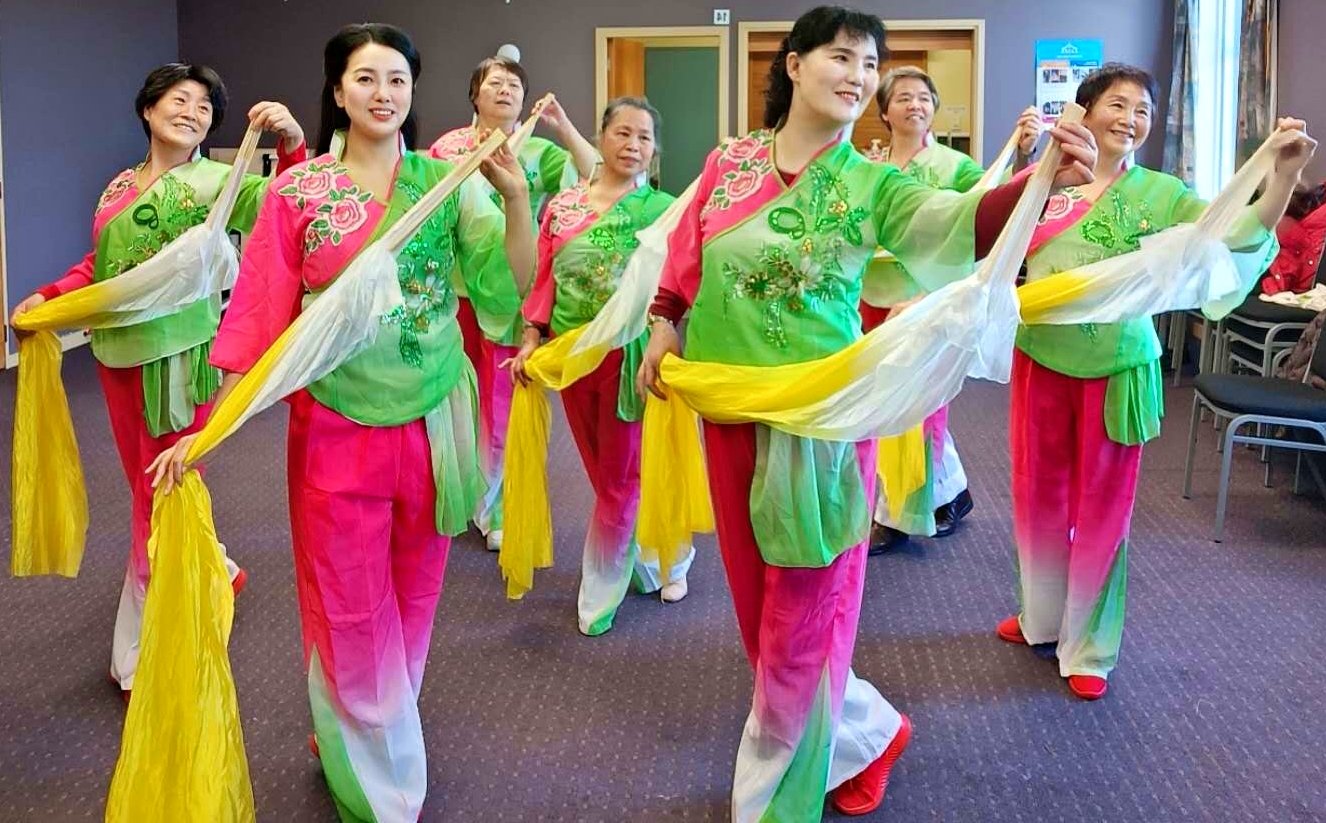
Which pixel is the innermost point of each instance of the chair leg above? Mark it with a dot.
(1298, 473)
(1266, 479)
(1177, 336)
(1222, 496)
(1192, 445)
(1204, 351)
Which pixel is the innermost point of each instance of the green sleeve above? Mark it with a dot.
(932, 233)
(481, 253)
(1251, 245)
(969, 173)
(556, 171)
(251, 194)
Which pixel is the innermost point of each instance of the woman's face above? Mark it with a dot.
(911, 107)
(501, 96)
(1120, 118)
(376, 90)
(627, 144)
(836, 80)
(182, 116)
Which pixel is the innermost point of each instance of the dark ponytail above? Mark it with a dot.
(817, 27)
(335, 59)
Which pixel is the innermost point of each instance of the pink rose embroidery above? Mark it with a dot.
(315, 185)
(743, 149)
(742, 184)
(347, 215)
(1058, 206)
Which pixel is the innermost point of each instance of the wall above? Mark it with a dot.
(1302, 94)
(266, 49)
(68, 75)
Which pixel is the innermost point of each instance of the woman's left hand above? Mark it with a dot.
(505, 173)
(1293, 147)
(1078, 162)
(275, 117)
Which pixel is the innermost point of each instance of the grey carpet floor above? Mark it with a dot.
(1215, 712)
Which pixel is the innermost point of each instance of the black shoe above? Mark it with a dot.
(948, 515)
(883, 538)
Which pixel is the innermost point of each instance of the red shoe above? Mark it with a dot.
(1087, 686)
(865, 792)
(239, 582)
(313, 746)
(1010, 630)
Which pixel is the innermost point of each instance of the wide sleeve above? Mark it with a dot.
(932, 233)
(968, 174)
(538, 306)
(480, 235)
(268, 291)
(254, 188)
(556, 171)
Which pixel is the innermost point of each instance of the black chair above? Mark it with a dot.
(1254, 333)
(1266, 403)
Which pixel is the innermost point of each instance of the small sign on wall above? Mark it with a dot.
(1061, 66)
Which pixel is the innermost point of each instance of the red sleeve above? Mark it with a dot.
(285, 160)
(994, 210)
(680, 280)
(77, 277)
(268, 290)
(538, 306)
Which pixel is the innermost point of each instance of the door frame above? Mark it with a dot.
(704, 36)
(974, 25)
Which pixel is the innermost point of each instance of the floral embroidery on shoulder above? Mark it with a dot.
(744, 164)
(123, 182)
(454, 144)
(569, 209)
(310, 181)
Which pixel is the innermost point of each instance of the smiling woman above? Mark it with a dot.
(154, 374)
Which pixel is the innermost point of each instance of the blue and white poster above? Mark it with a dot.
(1061, 66)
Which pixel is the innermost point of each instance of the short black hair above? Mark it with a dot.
(164, 78)
(1100, 81)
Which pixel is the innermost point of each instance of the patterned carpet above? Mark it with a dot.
(1214, 714)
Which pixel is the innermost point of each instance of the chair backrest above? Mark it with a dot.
(1317, 365)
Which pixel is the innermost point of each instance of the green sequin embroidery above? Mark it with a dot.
(802, 274)
(179, 210)
(1119, 227)
(423, 268)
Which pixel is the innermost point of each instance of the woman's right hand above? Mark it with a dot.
(169, 465)
(28, 304)
(516, 365)
(663, 340)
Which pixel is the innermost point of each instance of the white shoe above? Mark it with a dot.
(673, 592)
(495, 540)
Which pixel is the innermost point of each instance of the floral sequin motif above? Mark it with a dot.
(174, 210)
(801, 274)
(596, 280)
(423, 269)
(1120, 225)
(123, 182)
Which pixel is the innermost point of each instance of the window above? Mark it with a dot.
(1215, 94)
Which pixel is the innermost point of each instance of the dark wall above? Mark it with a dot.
(1302, 93)
(68, 75)
(268, 49)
